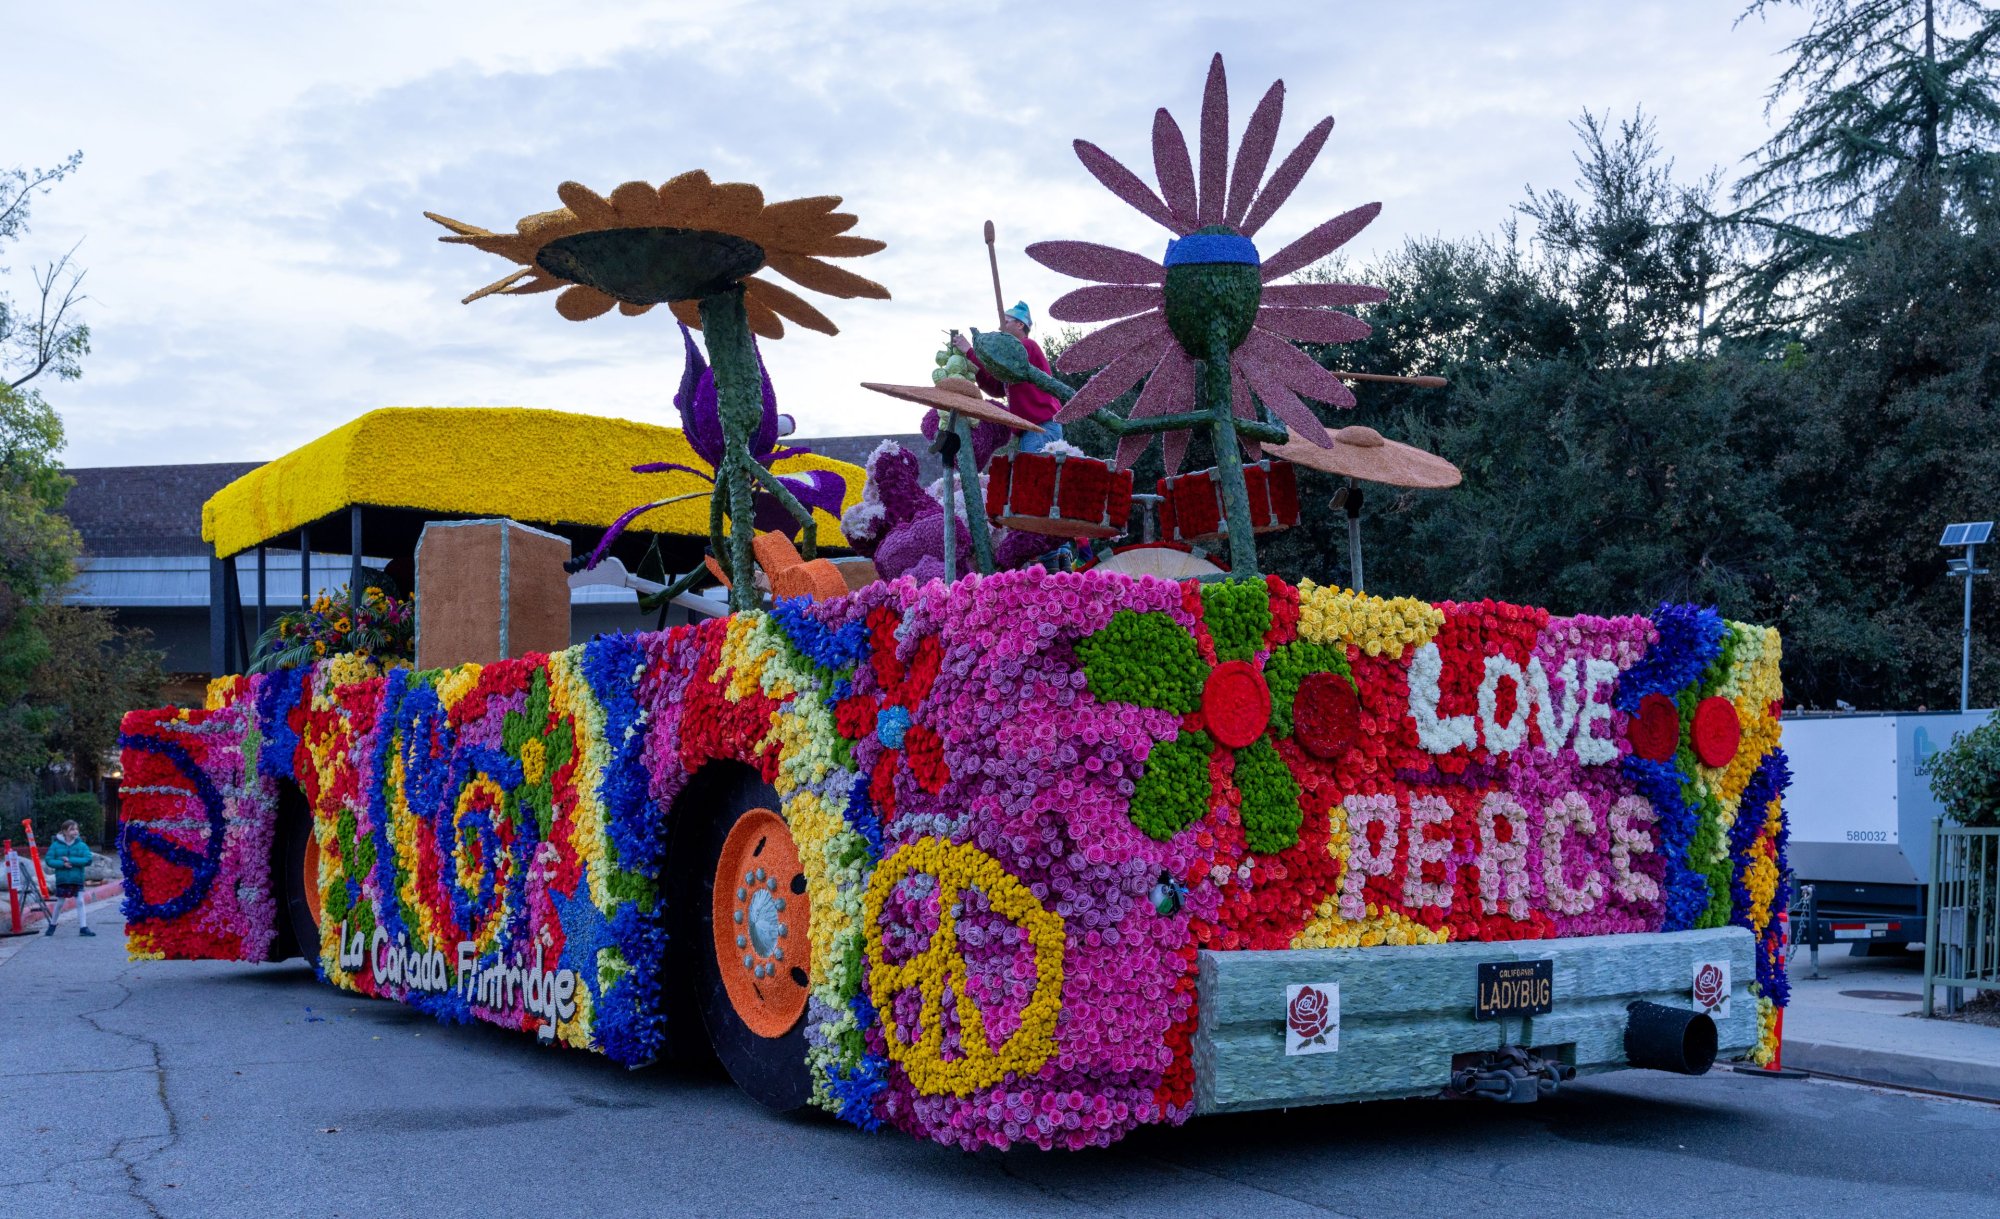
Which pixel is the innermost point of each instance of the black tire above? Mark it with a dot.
(772, 1070)
(298, 930)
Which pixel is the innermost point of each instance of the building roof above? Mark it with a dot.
(150, 511)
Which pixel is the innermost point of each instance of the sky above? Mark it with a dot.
(250, 205)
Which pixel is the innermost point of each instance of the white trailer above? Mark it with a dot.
(1860, 813)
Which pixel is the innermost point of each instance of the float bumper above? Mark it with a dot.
(1404, 1013)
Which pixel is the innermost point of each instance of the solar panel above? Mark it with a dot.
(1968, 533)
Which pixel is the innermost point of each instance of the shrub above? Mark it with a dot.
(1965, 777)
(51, 811)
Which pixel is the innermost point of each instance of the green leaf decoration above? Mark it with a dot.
(1173, 793)
(1271, 814)
(1238, 616)
(1289, 665)
(1145, 659)
(534, 723)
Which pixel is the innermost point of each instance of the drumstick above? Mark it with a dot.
(993, 260)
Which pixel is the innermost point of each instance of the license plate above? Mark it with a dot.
(1515, 988)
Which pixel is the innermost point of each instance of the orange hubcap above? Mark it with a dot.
(762, 924)
(311, 869)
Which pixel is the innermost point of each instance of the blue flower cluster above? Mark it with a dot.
(855, 1090)
(1772, 777)
(1690, 641)
(827, 648)
(277, 693)
(630, 1021)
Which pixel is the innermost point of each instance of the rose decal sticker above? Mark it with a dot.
(1711, 988)
(1312, 1018)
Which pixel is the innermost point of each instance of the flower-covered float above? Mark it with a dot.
(1027, 856)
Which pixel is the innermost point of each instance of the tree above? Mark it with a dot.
(1897, 105)
(1896, 410)
(37, 554)
(46, 338)
(1614, 456)
(93, 672)
(37, 546)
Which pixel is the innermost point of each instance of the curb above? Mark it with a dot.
(1977, 1080)
(31, 921)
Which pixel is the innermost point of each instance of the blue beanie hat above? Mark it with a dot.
(1020, 314)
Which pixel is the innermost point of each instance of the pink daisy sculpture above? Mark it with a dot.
(1205, 327)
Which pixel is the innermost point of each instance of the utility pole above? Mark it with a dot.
(1969, 534)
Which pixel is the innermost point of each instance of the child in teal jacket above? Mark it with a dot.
(68, 856)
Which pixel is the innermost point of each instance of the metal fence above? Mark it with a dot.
(1962, 936)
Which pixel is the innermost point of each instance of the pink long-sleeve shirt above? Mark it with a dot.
(1030, 402)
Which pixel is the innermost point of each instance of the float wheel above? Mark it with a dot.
(299, 866)
(743, 917)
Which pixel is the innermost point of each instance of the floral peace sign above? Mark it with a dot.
(187, 833)
(940, 965)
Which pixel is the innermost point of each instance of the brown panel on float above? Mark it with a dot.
(489, 590)
(537, 591)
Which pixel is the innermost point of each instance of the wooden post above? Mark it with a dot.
(354, 558)
(233, 589)
(218, 622)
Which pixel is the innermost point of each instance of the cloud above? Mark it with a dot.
(252, 192)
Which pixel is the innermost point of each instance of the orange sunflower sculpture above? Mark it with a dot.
(675, 245)
(695, 246)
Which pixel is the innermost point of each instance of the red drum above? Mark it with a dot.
(1191, 504)
(1058, 495)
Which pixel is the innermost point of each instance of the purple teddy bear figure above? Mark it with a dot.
(899, 523)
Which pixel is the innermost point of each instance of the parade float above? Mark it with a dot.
(951, 839)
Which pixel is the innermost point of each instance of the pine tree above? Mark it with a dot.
(1897, 111)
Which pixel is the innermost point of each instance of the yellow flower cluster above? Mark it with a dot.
(344, 669)
(1751, 684)
(530, 465)
(1376, 626)
(749, 645)
(940, 967)
(1766, 1050)
(590, 837)
(222, 691)
(454, 684)
(1327, 929)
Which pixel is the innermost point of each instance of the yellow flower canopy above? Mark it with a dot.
(675, 244)
(536, 466)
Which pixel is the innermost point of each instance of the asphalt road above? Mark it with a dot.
(179, 1089)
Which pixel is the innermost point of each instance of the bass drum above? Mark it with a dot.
(740, 932)
(1168, 560)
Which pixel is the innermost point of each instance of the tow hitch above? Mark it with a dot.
(1512, 1075)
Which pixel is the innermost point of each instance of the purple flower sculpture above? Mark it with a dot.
(701, 423)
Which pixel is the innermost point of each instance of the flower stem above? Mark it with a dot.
(1215, 390)
(975, 504)
(725, 330)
